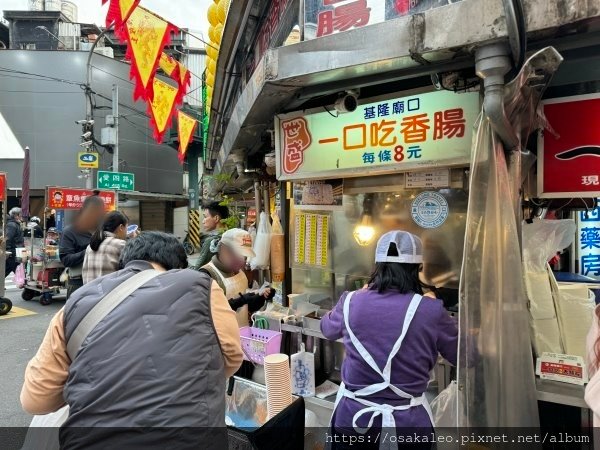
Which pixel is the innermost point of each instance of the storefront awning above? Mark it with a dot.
(403, 48)
(10, 148)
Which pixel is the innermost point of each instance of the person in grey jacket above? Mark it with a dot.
(152, 373)
(77, 237)
(14, 239)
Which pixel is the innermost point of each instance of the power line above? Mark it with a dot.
(38, 92)
(48, 78)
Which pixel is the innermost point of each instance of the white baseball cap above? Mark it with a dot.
(239, 241)
(409, 246)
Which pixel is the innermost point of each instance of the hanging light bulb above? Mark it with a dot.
(364, 232)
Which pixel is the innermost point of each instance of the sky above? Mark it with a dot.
(188, 13)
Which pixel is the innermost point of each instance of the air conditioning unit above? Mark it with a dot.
(105, 51)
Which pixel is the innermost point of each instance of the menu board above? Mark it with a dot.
(311, 245)
(434, 179)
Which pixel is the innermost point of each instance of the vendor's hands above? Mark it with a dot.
(269, 293)
(254, 302)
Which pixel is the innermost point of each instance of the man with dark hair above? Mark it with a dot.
(77, 237)
(158, 362)
(214, 213)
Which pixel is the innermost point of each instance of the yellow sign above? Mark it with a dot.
(311, 245)
(88, 160)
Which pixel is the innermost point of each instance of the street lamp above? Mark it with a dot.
(41, 27)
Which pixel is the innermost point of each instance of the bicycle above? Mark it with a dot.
(187, 244)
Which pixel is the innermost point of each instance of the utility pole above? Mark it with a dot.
(115, 111)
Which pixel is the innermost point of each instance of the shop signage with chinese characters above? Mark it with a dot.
(325, 17)
(270, 28)
(417, 132)
(2, 187)
(564, 368)
(73, 198)
(569, 157)
(116, 180)
(588, 241)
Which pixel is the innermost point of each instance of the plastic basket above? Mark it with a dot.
(258, 343)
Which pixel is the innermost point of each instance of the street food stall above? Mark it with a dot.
(399, 162)
(342, 193)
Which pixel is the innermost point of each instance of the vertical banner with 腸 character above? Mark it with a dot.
(588, 243)
(421, 131)
(569, 152)
(326, 17)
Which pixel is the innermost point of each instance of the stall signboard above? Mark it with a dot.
(569, 151)
(2, 187)
(88, 160)
(422, 131)
(326, 17)
(116, 180)
(588, 243)
(565, 368)
(73, 198)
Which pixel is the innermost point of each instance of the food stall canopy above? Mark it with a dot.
(10, 148)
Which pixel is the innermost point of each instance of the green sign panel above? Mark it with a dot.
(116, 181)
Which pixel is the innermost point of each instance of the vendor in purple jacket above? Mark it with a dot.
(392, 336)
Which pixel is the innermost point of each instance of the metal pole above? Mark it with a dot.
(301, 23)
(115, 111)
(194, 162)
(89, 113)
(257, 201)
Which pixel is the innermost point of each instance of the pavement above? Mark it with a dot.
(21, 332)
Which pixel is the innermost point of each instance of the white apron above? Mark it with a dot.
(234, 286)
(375, 409)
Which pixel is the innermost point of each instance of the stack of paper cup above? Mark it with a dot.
(279, 383)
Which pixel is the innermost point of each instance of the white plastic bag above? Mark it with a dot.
(445, 407)
(303, 373)
(43, 430)
(262, 243)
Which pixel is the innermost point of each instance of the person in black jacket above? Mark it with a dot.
(77, 237)
(14, 239)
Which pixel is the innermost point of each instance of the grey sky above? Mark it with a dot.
(187, 14)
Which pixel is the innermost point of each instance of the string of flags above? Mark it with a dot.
(146, 35)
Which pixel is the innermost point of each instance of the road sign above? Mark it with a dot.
(115, 180)
(87, 160)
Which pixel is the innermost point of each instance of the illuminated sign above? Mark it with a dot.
(400, 134)
(569, 152)
(588, 242)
